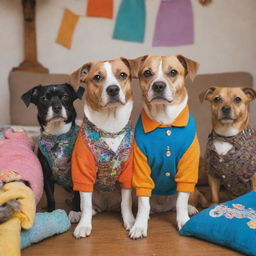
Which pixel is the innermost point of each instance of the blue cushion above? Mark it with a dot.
(231, 224)
(46, 224)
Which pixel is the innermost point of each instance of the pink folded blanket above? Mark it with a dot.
(16, 154)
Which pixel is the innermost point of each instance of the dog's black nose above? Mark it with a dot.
(158, 86)
(113, 90)
(56, 109)
(226, 109)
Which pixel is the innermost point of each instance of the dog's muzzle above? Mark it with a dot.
(56, 112)
(113, 92)
(159, 92)
(226, 114)
(56, 109)
(159, 87)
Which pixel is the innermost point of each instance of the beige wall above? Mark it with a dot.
(224, 39)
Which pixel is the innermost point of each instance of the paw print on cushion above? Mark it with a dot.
(238, 206)
(252, 224)
(239, 211)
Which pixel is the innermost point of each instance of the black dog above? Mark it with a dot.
(56, 116)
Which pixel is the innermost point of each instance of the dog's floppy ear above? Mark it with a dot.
(205, 95)
(76, 94)
(78, 77)
(249, 92)
(80, 92)
(31, 96)
(135, 65)
(191, 66)
(126, 62)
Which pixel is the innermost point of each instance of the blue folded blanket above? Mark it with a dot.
(46, 224)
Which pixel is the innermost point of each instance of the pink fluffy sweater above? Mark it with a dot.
(16, 154)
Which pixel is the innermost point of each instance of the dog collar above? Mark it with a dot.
(235, 140)
(104, 133)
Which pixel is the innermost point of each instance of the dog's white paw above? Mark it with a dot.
(128, 221)
(93, 212)
(192, 210)
(82, 231)
(138, 231)
(181, 220)
(74, 216)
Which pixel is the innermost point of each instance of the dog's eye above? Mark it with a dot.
(173, 73)
(84, 71)
(237, 99)
(147, 73)
(43, 98)
(217, 99)
(123, 75)
(65, 97)
(97, 78)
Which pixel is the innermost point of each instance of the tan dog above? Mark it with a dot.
(230, 140)
(165, 120)
(102, 157)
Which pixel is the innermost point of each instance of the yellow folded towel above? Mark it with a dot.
(10, 230)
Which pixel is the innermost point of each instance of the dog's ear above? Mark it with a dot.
(249, 92)
(126, 62)
(31, 96)
(76, 94)
(80, 92)
(205, 95)
(191, 66)
(78, 77)
(135, 65)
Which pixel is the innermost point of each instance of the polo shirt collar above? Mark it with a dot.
(150, 125)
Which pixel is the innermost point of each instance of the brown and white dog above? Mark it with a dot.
(162, 82)
(230, 120)
(108, 105)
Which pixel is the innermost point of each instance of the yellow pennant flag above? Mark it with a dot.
(67, 28)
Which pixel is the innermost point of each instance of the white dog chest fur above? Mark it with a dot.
(222, 147)
(114, 143)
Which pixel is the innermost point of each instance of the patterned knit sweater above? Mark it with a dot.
(96, 166)
(236, 168)
(58, 150)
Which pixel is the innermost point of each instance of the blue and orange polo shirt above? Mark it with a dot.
(166, 157)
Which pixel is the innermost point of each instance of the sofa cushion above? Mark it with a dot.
(231, 224)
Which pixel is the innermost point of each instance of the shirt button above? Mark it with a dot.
(168, 153)
(229, 185)
(167, 174)
(168, 132)
(223, 176)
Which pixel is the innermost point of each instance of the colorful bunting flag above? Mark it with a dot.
(130, 21)
(174, 24)
(67, 28)
(100, 8)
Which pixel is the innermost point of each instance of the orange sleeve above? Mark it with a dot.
(125, 177)
(187, 174)
(141, 178)
(83, 167)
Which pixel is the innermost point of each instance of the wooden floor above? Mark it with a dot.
(109, 238)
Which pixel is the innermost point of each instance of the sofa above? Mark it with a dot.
(20, 82)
